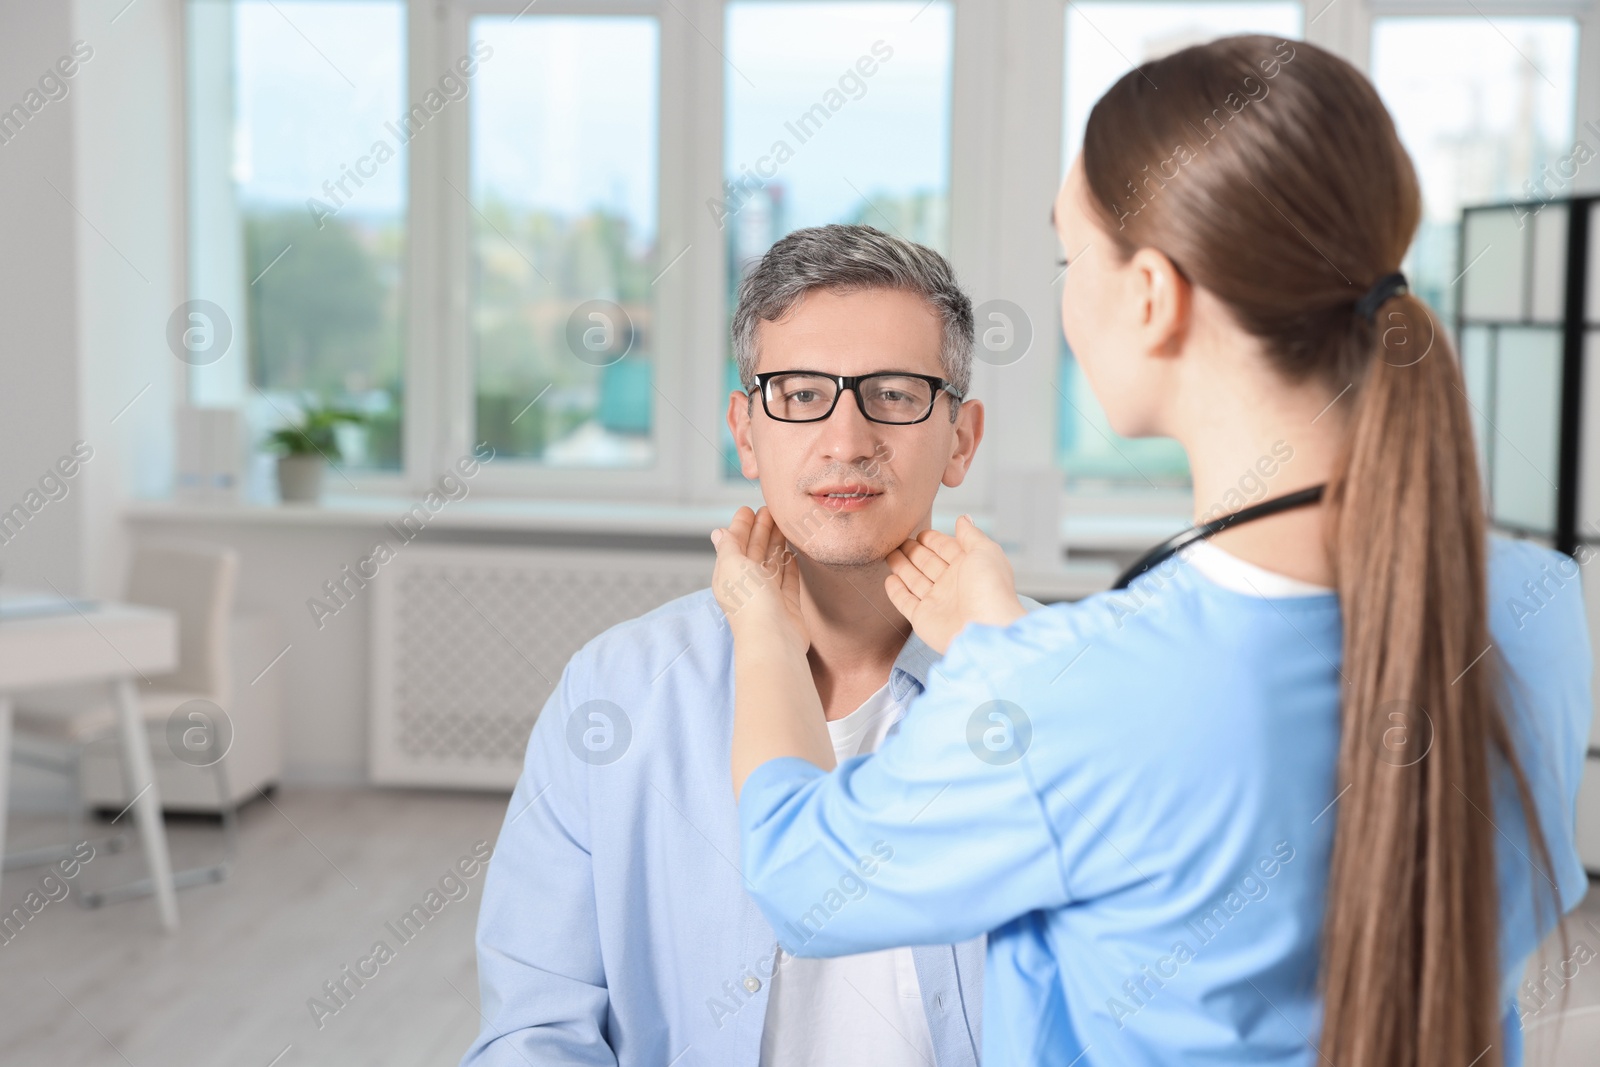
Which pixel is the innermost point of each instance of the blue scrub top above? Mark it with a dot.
(1135, 796)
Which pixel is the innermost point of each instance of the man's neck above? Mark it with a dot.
(856, 632)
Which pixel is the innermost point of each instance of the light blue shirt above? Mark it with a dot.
(1150, 848)
(614, 928)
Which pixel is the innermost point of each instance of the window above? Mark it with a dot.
(562, 235)
(1103, 41)
(837, 111)
(543, 254)
(1486, 110)
(297, 208)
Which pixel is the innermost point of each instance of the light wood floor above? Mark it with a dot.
(319, 875)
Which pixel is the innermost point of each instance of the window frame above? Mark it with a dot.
(448, 162)
(1005, 152)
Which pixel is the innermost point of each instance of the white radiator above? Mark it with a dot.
(469, 642)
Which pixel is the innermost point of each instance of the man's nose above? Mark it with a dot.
(848, 436)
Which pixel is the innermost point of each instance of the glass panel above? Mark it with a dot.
(837, 111)
(297, 214)
(1526, 417)
(1589, 463)
(562, 236)
(1550, 264)
(1103, 41)
(1476, 364)
(849, 122)
(1496, 263)
(1486, 111)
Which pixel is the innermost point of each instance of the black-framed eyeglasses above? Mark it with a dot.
(898, 398)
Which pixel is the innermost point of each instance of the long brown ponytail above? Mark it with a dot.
(1271, 174)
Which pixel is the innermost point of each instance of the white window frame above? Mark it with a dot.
(1005, 155)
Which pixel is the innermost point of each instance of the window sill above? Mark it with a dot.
(1107, 530)
(684, 524)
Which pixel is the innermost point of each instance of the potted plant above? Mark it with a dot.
(303, 448)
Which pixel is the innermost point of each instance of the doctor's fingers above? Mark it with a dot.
(925, 559)
(779, 554)
(947, 547)
(739, 528)
(918, 583)
(904, 600)
(968, 536)
(761, 536)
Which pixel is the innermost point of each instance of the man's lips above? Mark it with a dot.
(845, 497)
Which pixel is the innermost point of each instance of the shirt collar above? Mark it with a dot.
(911, 668)
(917, 660)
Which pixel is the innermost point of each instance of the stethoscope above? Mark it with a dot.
(1178, 542)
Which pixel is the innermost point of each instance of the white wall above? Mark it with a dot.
(89, 272)
(89, 212)
(129, 187)
(40, 374)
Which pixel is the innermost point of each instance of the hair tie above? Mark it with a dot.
(1387, 286)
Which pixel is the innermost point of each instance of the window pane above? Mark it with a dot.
(563, 238)
(1104, 41)
(837, 111)
(1548, 268)
(1588, 497)
(1527, 411)
(1477, 370)
(297, 212)
(1486, 111)
(1494, 288)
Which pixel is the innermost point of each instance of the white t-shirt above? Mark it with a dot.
(1242, 576)
(850, 1011)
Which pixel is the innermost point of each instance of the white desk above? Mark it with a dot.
(113, 643)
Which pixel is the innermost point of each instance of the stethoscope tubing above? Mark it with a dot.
(1178, 542)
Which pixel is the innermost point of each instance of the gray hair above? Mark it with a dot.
(844, 258)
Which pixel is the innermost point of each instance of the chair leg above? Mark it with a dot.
(71, 768)
(189, 876)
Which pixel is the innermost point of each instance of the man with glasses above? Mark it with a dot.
(614, 928)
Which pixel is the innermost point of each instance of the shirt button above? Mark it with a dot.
(938, 1001)
(752, 983)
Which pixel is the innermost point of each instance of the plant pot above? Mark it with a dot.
(299, 479)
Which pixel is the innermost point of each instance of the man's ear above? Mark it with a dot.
(740, 406)
(1166, 297)
(964, 442)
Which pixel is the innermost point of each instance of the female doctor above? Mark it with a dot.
(1304, 792)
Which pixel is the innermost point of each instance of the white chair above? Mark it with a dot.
(55, 731)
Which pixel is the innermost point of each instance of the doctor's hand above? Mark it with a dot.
(757, 582)
(940, 583)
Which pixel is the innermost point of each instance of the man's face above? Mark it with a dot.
(846, 491)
